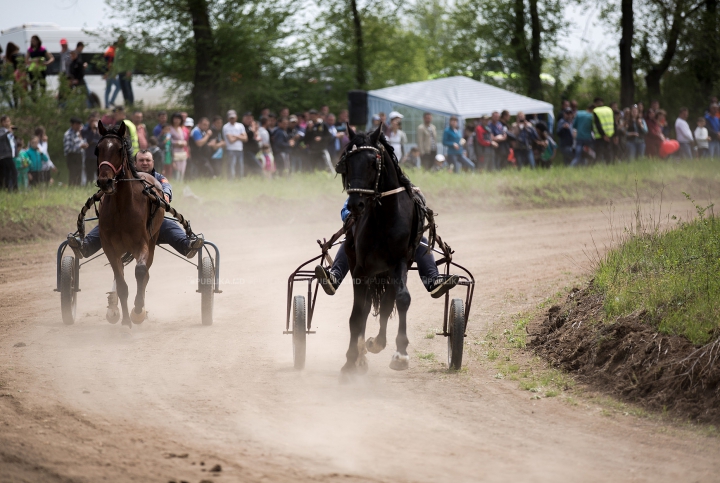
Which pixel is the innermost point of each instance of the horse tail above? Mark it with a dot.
(376, 290)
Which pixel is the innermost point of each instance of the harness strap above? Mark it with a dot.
(392, 192)
(115, 170)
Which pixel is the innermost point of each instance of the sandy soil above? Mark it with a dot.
(168, 400)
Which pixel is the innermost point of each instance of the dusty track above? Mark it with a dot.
(97, 401)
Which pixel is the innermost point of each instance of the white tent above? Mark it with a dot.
(451, 96)
(460, 96)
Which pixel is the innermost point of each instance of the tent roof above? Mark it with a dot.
(460, 96)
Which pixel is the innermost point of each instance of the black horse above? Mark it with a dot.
(381, 246)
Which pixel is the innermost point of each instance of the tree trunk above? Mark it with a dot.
(535, 64)
(656, 71)
(204, 91)
(627, 77)
(706, 62)
(360, 79)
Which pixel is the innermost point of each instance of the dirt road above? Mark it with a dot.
(168, 400)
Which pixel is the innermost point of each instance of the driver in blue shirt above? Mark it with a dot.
(171, 232)
(435, 283)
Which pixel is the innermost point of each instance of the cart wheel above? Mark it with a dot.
(68, 295)
(207, 290)
(456, 329)
(299, 332)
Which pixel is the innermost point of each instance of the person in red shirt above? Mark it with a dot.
(486, 146)
(110, 77)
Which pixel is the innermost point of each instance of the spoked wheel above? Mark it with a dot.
(207, 290)
(456, 329)
(299, 332)
(68, 295)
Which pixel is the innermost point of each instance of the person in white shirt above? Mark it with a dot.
(234, 134)
(684, 134)
(396, 138)
(702, 138)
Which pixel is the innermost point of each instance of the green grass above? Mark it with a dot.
(673, 275)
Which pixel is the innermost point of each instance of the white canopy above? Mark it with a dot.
(460, 96)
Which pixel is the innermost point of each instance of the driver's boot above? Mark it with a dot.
(76, 243)
(327, 279)
(195, 245)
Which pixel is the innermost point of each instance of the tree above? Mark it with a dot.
(627, 71)
(704, 59)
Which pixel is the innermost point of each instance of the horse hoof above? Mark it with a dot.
(373, 346)
(127, 322)
(137, 317)
(399, 362)
(112, 315)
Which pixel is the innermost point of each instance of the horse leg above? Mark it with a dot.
(387, 304)
(122, 288)
(142, 275)
(358, 318)
(400, 360)
(113, 312)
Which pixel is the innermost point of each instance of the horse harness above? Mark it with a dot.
(376, 194)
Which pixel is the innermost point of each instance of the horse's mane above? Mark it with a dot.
(127, 145)
(363, 139)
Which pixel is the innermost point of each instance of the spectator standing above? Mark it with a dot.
(179, 146)
(65, 59)
(655, 136)
(200, 149)
(73, 145)
(498, 129)
(48, 165)
(453, 142)
(217, 146)
(38, 58)
(485, 144)
(636, 131)
(263, 131)
(282, 144)
(619, 138)
(8, 172)
(22, 165)
(701, 138)
(712, 122)
(165, 143)
(111, 80)
(337, 133)
(684, 135)
(297, 135)
(525, 138)
(234, 134)
(565, 136)
(131, 132)
(124, 65)
(584, 140)
(604, 128)
(91, 135)
(141, 129)
(426, 135)
(317, 139)
(265, 160)
(162, 120)
(252, 146)
(396, 137)
(35, 160)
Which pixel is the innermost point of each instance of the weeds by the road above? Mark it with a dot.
(671, 274)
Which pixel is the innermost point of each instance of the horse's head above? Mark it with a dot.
(360, 167)
(111, 155)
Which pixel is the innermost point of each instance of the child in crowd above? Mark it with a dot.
(21, 164)
(701, 138)
(266, 160)
(35, 158)
(166, 142)
(157, 153)
(412, 159)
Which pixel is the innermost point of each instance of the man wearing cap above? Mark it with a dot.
(427, 141)
(119, 116)
(73, 145)
(65, 59)
(235, 135)
(171, 232)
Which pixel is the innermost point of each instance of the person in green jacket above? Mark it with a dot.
(119, 115)
(35, 159)
(22, 164)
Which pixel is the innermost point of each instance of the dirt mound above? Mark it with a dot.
(54, 222)
(629, 358)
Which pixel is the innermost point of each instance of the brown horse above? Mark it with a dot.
(128, 220)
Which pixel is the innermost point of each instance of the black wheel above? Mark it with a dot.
(299, 332)
(456, 329)
(68, 295)
(207, 290)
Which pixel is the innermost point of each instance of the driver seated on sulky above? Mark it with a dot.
(435, 283)
(171, 232)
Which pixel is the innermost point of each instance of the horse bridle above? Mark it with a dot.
(375, 193)
(123, 154)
